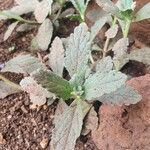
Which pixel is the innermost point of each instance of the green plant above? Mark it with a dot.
(85, 86)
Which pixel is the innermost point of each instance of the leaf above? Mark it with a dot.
(80, 6)
(56, 56)
(91, 122)
(42, 10)
(104, 65)
(124, 95)
(103, 83)
(53, 83)
(25, 27)
(6, 89)
(109, 7)
(143, 13)
(23, 64)
(141, 55)
(97, 27)
(68, 126)
(10, 30)
(125, 5)
(112, 32)
(78, 50)
(120, 47)
(44, 34)
(38, 95)
(15, 12)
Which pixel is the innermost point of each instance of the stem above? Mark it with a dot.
(108, 39)
(58, 14)
(127, 27)
(12, 84)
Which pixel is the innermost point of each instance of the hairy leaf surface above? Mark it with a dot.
(120, 47)
(6, 89)
(53, 83)
(109, 7)
(143, 13)
(104, 65)
(10, 30)
(124, 95)
(56, 56)
(23, 64)
(38, 95)
(103, 83)
(44, 34)
(78, 50)
(68, 126)
(42, 10)
(97, 27)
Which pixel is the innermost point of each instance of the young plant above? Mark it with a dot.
(85, 86)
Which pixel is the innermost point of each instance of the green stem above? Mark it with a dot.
(12, 84)
(126, 30)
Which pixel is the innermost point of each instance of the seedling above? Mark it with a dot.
(85, 86)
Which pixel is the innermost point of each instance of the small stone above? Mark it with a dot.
(2, 140)
(44, 143)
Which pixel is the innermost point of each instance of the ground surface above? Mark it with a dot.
(24, 129)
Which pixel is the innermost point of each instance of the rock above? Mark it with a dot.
(126, 127)
(44, 143)
(2, 140)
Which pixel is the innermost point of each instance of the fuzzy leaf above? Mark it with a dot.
(91, 122)
(104, 65)
(97, 27)
(120, 47)
(6, 89)
(68, 126)
(125, 5)
(42, 10)
(143, 13)
(10, 30)
(103, 83)
(44, 34)
(23, 64)
(78, 50)
(25, 27)
(124, 95)
(53, 83)
(56, 56)
(112, 32)
(23, 7)
(141, 55)
(38, 95)
(109, 7)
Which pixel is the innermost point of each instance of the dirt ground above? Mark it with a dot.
(22, 128)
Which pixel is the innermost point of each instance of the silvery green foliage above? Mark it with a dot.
(56, 56)
(10, 30)
(42, 10)
(125, 5)
(44, 35)
(99, 84)
(80, 6)
(140, 55)
(143, 13)
(120, 47)
(125, 95)
(25, 27)
(68, 126)
(23, 64)
(6, 89)
(38, 95)
(97, 27)
(23, 7)
(53, 83)
(109, 7)
(78, 50)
